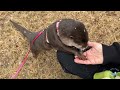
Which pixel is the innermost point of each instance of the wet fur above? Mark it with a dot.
(73, 36)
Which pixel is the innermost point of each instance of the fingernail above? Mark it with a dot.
(76, 56)
(75, 60)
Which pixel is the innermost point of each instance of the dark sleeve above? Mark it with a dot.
(111, 54)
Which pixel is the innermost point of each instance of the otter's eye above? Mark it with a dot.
(71, 37)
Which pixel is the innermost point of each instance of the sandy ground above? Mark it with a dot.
(102, 26)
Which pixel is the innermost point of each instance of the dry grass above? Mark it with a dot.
(103, 27)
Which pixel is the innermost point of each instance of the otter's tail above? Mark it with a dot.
(23, 30)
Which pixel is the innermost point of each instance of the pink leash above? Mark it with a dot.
(25, 58)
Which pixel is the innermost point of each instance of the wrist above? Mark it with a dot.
(109, 54)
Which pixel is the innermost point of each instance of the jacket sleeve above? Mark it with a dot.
(111, 54)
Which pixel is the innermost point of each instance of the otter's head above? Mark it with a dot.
(73, 33)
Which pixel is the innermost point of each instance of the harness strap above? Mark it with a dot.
(57, 28)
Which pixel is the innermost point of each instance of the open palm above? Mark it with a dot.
(93, 55)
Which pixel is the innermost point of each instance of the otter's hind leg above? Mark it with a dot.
(35, 52)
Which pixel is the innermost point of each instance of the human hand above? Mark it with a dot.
(93, 55)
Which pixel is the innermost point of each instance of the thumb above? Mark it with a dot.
(92, 44)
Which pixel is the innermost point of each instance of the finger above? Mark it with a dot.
(82, 61)
(91, 43)
(76, 57)
(84, 53)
